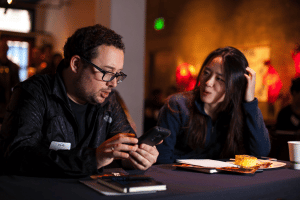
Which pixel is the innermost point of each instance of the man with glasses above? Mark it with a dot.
(71, 124)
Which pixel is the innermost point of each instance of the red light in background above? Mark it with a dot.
(296, 59)
(185, 77)
(184, 72)
(191, 85)
(272, 80)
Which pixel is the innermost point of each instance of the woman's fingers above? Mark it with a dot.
(251, 79)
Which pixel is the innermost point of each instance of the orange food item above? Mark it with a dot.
(245, 160)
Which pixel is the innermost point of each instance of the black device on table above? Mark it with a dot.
(154, 136)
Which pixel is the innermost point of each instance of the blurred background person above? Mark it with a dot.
(9, 77)
(51, 68)
(43, 59)
(46, 57)
(152, 107)
(289, 117)
(36, 61)
(287, 124)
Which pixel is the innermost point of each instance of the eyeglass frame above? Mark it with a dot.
(115, 75)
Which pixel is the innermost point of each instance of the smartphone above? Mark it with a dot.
(154, 136)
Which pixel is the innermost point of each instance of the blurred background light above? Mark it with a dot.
(16, 20)
(159, 23)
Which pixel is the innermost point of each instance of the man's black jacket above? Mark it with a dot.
(39, 113)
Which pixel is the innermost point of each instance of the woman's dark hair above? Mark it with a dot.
(234, 64)
(84, 42)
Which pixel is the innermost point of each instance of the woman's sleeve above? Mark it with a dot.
(172, 119)
(257, 140)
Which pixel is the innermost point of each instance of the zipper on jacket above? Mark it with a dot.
(74, 119)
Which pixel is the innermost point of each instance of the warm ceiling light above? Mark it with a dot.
(16, 20)
(9, 1)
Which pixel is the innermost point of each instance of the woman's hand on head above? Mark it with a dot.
(251, 80)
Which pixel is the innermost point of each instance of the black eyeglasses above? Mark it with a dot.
(108, 76)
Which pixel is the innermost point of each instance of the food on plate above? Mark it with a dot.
(264, 165)
(245, 161)
(246, 170)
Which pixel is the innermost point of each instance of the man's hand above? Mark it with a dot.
(143, 158)
(116, 147)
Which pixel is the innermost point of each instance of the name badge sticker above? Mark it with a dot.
(60, 145)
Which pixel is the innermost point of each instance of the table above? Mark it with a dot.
(282, 183)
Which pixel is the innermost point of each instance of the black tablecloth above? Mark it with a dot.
(282, 183)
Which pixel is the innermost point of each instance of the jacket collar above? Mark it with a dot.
(59, 89)
(200, 106)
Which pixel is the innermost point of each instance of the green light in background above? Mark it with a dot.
(159, 23)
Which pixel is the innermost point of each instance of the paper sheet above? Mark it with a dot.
(206, 163)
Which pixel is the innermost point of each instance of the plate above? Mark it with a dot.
(274, 164)
(235, 169)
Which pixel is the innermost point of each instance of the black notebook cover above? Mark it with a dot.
(127, 185)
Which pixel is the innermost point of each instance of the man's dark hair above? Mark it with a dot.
(84, 42)
(295, 85)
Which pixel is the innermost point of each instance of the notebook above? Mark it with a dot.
(127, 184)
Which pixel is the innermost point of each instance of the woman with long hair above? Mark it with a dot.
(220, 117)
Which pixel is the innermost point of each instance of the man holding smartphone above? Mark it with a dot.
(71, 124)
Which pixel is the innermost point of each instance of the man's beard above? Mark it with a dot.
(80, 92)
(85, 96)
